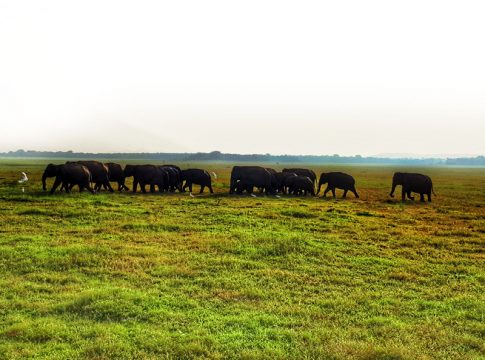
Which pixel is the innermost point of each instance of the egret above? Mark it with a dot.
(24, 178)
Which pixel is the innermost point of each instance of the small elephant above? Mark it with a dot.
(337, 180)
(298, 185)
(172, 175)
(198, 177)
(303, 172)
(412, 182)
(116, 174)
(282, 179)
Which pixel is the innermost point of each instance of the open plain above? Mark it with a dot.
(216, 276)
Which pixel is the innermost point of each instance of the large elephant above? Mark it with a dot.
(117, 175)
(412, 182)
(145, 175)
(68, 175)
(299, 185)
(250, 177)
(337, 180)
(198, 177)
(304, 172)
(99, 173)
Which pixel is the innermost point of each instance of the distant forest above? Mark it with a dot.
(218, 156)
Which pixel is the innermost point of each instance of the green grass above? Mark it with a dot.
(169, 276)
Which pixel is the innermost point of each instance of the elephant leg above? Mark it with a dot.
(421, 197)
(135, 185)
(355, 192)
(345, 194)
(143, 189)
(57, 182)
(108, 185)
(333, 193)
(409, 195)
(87, 186)
(429, 197)
(403, 195)
(202, 187)
(210, 189)
(152, 188)
(68, 187)
(326, 191)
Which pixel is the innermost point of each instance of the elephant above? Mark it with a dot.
(412, 182)
(250, 177)
(145, 175)
(304, 172)
(337, 180)
(236, 173)
(68, 175)
(298, 185)
(172, 177)
(198, 177)
(243, 185)
(99, 173)
(282, 181)
(274, 181)
(117, 174)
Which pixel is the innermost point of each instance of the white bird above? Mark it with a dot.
(278, 196)
(191, 195)
(214, 175)
(24, 178)
(253, 195)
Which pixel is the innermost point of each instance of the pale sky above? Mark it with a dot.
(301, 77)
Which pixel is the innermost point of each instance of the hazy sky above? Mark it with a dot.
(301, 77)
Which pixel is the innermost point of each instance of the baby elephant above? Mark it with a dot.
(337, 180)
(198, 177)
(299, 185)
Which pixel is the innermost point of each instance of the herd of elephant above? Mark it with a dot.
(170, 178)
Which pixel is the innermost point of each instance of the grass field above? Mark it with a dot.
(169, 276)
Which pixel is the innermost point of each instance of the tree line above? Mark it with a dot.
(219, 156)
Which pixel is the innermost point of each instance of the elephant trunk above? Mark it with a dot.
(319, 187)
(44, 187)
(394, 184)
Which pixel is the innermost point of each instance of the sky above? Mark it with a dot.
(299, 77)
